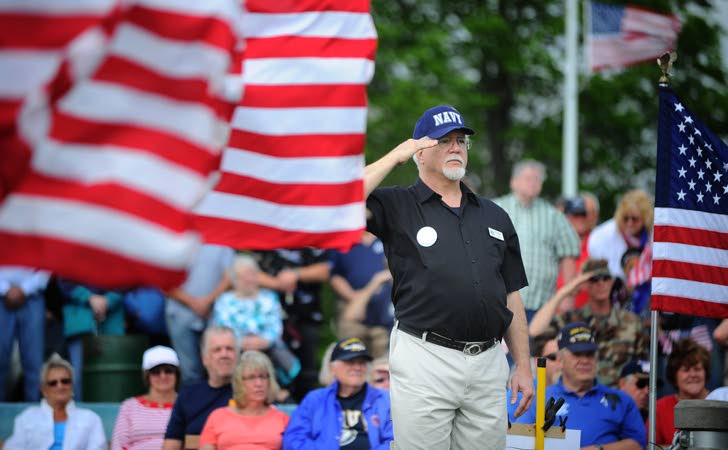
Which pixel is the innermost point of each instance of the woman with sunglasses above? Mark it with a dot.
(631, 227)
(251, 422)
(142, 420)
(57, 424)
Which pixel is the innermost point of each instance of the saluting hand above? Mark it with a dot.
(406, 149)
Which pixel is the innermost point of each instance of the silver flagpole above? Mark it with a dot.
(654, 315)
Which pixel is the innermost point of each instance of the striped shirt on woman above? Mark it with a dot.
(140, 425)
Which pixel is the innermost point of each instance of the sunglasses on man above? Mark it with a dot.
(63, 381)
(600, 277)
(642, 383)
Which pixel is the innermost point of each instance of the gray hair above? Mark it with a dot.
(56, 362)
(253, 360)
(217, 329)
(529, 164)
(589, 195)
(241, 261)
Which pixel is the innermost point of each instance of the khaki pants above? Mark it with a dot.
(375, 338)
(444, 399)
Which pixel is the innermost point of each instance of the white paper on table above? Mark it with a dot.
(572, 441)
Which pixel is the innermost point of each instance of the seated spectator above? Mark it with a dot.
(619, 333)
(57, 423)
(363, 284)
(542, 346)
(631, 227)
(347, 414)
(195, 402)
(575, 212)
(88, 310)
(256, 317)
(142, 420)
(22, 317)
(634, 379)
(604, 415)
(251, 422)
(379, 373)
(688, 368)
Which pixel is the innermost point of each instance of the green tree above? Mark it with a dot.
(499, 62)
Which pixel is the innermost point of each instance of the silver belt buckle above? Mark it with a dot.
(472, 349)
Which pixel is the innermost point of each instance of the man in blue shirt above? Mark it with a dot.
(608, 418)
(349, 414)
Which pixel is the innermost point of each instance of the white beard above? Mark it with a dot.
(456, 173)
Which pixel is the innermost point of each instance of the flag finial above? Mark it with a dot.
(665, 62)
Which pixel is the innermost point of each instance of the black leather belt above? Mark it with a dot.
(469, 348)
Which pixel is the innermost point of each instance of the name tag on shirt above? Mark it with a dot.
(495, 233)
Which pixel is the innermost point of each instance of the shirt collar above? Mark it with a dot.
(560, 386)
(424, 192)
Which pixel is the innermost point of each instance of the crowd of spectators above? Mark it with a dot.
(585, 279)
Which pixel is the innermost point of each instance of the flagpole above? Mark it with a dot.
(665, 62)
(569, 162)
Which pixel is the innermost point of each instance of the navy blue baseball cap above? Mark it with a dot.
(348, 349)
(438, 121)
(577, 337)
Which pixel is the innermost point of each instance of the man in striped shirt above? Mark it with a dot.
(549, 245)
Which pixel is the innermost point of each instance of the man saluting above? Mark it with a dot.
(457, 269)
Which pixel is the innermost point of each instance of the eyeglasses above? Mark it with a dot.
(602, 277)
(161, 369)
(259, 376)
(550, 356)
(63, 381)
(642, 383)
(631, 219)
(463, 143)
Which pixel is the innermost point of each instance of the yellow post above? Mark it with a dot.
(540, 402)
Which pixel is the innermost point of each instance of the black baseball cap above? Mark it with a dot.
(575, 206)
(635, 367)
(348, 349)
(577, 337)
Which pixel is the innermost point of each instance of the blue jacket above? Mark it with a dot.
(317, 422)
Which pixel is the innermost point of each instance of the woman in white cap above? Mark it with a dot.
(142, 420)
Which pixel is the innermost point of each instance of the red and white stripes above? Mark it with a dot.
(125, 148)
(291, 175)
(690, 262)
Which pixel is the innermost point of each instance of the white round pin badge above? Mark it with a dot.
(427, 236)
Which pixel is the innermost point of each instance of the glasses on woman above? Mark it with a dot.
(63, 381)
(463, 143)
(635, 219)
(598, 278)
(550, 356)
(256, 376)
(161, 369)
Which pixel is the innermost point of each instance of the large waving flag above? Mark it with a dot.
(33, 37)
(690, 251)
(291, 175)
(123, 142)
(619, 36)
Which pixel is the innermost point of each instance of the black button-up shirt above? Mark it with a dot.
(457, 286)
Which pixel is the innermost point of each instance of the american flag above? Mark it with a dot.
(690, 251)
(33, 37)
(292, 173)
(124, 139)
(619, 36)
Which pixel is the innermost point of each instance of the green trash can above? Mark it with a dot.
(112, 367)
